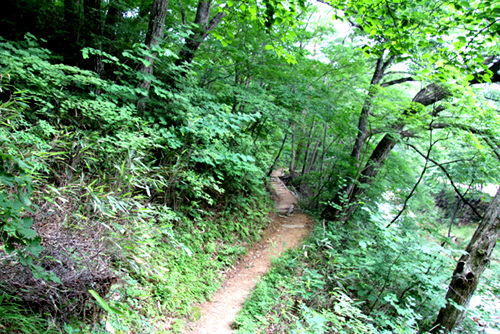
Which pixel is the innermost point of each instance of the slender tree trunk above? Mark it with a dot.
(236, 84)
(292, 158)
(378, 74)
(153, 37)
(452, 219)
(347, 201)
(203, 26)
(298, 151)
(72, 23)
(278, 155)
(363, 131)
(308, 146)
(113, 17)
(324, 179)
(259, 128)
(92, 32)
(313, 156)
(469, 269)
(300, 140)
(248, 80)
(349, 204)
(321, 178)
(323, 153)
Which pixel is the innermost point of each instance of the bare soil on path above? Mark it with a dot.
(286, 231)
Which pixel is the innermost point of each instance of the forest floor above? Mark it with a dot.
(285, 231)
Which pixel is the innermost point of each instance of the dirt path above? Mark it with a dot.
(285, 232)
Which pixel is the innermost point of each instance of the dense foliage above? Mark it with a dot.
(136, 136)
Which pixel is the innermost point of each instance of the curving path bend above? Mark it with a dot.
(286, 231)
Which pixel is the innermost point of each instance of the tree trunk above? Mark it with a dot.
(203, 26)
(346, 202)
(154, 35)
(92, 32)
(278, 155)
(113, 17)
(300, 140)
(362, 133)
(469, 269)
(378, 74)
(314, 155)
(291, 168)
(72, 23)
(308, 146)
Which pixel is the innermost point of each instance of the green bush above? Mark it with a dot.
(145, 207)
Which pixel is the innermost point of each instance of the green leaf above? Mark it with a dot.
(470, 77)
(253, 12)
(35, 250)
(85, 53)
(26, 233)
(105, 305)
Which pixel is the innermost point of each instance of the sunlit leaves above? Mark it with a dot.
(458, 32)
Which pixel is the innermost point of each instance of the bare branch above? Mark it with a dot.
(431, 145)
(387, 63)
(449, 178)
(214, 22)
(397, 81)
(396, 72)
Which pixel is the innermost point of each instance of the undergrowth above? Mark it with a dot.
(296, 297)
(164, 273)
(362, 277)
(132, 217)
(17, 319)
(351, 280)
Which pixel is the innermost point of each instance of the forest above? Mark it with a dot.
(137, 140)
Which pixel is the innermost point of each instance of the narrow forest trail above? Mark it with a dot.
(286, 230)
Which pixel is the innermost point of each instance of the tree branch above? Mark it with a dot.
(397, 81)
(396, 72)
(214, 22)
(388, 62)
(355, 25)
(431, 145)
(489, 139)
(449, 178)
(183, 14)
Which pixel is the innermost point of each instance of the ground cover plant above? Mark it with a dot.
(104, 212)
(136, 138)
